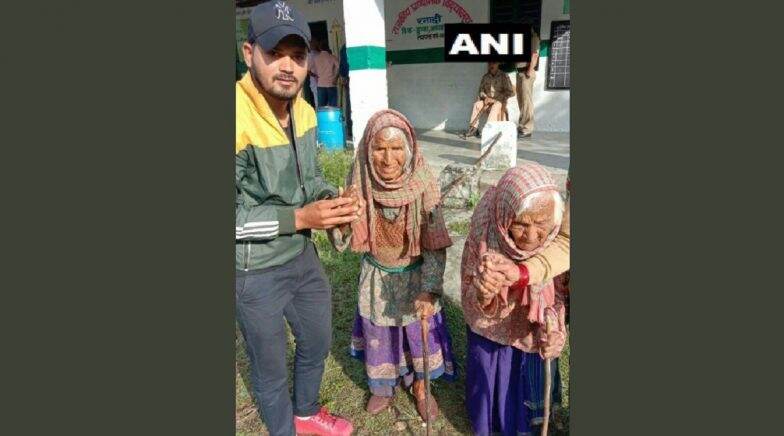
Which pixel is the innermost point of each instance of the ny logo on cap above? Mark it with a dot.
(283, 11)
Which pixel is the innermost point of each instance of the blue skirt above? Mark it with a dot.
(505, 387)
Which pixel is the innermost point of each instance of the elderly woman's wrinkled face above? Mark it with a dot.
(530, 229)
(389, 153)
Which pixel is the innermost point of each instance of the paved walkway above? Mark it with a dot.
(549, 149)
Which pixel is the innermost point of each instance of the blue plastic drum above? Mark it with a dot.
(330, 128)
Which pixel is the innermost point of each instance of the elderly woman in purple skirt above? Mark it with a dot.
(403, 238)
(514, 314)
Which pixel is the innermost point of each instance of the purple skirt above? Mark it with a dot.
(393, 352)
(505, 387)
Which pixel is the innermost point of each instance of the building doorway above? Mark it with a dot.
(318, 31)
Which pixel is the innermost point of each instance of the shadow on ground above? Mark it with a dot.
(468, 160)
(546, 159)
(452, 142)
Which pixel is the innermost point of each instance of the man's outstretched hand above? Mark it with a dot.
(351, 192)
(326, 214)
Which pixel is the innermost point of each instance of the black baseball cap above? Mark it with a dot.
(274, 20)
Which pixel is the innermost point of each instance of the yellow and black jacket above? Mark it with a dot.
(273, 177)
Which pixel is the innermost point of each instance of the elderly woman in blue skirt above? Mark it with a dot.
(403, 238)
(514, 320)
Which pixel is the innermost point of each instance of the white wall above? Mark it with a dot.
(435, 96)
(406, 14)
(439, 96)
(368, 87)
(551, 106)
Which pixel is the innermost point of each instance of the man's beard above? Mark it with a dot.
(284, 94)
(280, 94)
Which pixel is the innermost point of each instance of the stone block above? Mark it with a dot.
(459, 195)
(504, 153)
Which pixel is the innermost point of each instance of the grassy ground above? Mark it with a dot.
(459, 228)
(343, 388)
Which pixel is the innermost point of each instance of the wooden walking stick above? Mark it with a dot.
(547, 389)
(551, 326)
(425, 366)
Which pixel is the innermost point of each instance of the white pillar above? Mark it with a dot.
(366, 52)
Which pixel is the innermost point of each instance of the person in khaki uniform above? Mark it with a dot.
(494, 89)
(526, 75)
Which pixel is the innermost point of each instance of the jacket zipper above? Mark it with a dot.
(296, 161)
(299, 172)
(291, 130)
(247, 256)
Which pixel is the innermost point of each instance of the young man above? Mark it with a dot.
(281, 195)
(494, 89)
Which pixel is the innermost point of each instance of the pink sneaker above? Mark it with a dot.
(323, 424)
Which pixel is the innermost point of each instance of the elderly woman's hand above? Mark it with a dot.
(552, 344)
(423, 304)
(552, 337)
(353, 193)
(360, 201)
(486, 288)
(497, 268)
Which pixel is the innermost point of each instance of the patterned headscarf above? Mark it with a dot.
(489, 230)
(416, 190)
